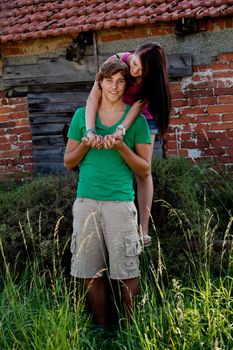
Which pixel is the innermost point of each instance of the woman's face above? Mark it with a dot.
(135, 66)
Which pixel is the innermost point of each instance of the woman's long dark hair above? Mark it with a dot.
(155, 87)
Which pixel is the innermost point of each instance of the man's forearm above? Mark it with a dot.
(73, 157)
(139, 165)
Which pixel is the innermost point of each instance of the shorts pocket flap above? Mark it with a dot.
(133, 246)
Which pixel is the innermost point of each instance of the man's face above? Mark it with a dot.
(113, 87)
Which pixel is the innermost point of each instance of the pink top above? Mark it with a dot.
(132, 91)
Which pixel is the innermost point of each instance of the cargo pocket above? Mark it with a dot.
(73, 242)
(132, 251)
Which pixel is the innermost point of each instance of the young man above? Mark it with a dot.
(105, 233)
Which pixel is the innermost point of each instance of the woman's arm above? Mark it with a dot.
(92, 106)
(132, 114)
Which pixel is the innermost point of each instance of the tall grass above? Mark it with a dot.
(46, 310)
(186, 299)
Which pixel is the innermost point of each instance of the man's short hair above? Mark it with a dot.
(110, 68)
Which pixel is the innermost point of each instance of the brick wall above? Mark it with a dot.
(201, 124)
(16, 158)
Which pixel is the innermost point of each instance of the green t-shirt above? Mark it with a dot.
(104, 175)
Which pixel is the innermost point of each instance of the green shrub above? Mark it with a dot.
(29, 216)
(186, 196)
(190, 201)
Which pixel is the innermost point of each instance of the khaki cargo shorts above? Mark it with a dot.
(105, 238)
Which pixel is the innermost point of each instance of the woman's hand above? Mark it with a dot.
(116, 143)
(109, 141)
(93, 140)
(118, 133)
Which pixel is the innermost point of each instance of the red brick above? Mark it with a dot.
(215, 135)
(25, 137)
(22, 122)
(184, 120)
(225, 99)
(199, 93)
(228, 56)
(223, 91)
(208, 100)
(229, 133)
(213, 152)
(180, 152)
(221, 126)
(185, 136)
(9, 124)
(28, 167)
(170, 145)
(8, 138)
(174, 86)
(209, 118)
(229, 150)
(19, 130)
(26, 152)
(201, 127)
(194, 101)
(22, 145)
(10, 154)
(220, 109)
(23, 160)
(179, 103)
(170, 137)
(225, 159)
(220, 66)
(4, 118)
(227, 117)
(193, 111)
(222, 142)
(223, 74)
(7, 109)
(201, 85)
(176, 95)
(4, 147)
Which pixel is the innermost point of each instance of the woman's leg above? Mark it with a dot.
(145, 192)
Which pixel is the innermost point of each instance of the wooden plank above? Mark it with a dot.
(47, 129)
(50, 119)
(57, 70)
(55, 108)
(52, 153)
(54, 97)
(49, 168)
(47, 141)
(63, 87)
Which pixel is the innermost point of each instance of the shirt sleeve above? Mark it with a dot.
(77, 127)
(142, 132)
(125, 56)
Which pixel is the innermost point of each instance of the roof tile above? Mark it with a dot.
(24, 19)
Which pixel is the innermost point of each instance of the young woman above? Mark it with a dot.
(148, 93)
